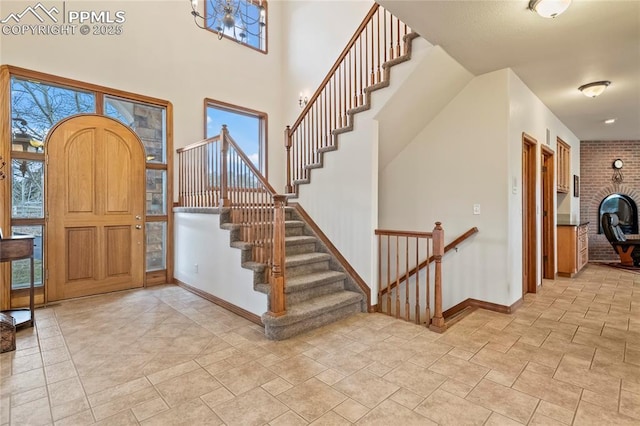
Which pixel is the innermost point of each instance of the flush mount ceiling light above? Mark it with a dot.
(549, 8)
(594, 89)
(610, 121)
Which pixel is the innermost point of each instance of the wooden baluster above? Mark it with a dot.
(407, 306)
(373, 75)
(288, 189)
(388, 276)
(438, 323)
(224, 196)
(417, 282)
(378, 76)
(217, 172)
(391, 56)
(379, 305)
(277, 303)
(399, 38)
(428, 284)
(361, 76)
(397, 277)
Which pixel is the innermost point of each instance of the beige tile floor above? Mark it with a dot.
(163, 356)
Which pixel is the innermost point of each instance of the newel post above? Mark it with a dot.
(437, 323)
(224, 150)
(277, 305)
(288, 189)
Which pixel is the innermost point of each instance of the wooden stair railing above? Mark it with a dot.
(216, 173)
(380, 39)
(452, 245)
(415, 245)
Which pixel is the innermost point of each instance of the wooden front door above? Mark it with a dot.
(548, 214)
(95, 200)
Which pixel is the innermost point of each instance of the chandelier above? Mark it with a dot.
(237, 19)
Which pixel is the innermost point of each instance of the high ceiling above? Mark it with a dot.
(593, 40)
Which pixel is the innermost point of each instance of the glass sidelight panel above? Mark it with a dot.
(148, 121)
(27, 194)
(156, 192)
(20, 269)
(156, 246)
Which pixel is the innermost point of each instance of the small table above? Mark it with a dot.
(16, 248)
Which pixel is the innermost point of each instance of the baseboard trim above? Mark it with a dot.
(222, 303)
(475, 303)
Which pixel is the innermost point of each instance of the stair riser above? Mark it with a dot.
(293, 231)
(284, 332)
(301, 296)
(294, 271)
(300, 248)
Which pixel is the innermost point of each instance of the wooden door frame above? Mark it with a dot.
(19, 297)
(529, 222)
(53, 192)
(547, 197)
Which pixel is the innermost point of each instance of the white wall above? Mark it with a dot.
(317, 32)
(528, 114)
(343, 195)
(162, 54)
(457, 160)
(200, 241)
(470, 153)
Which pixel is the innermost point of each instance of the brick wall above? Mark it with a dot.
(596, 158)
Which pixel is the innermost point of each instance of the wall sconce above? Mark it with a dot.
(303, 100)
(591, 90)
(549, 8)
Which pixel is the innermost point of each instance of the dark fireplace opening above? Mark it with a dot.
(625, 208)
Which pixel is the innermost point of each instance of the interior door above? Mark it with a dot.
(95, 200)
(529, 242)
(548, 215)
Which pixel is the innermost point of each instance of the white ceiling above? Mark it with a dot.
(593, 40)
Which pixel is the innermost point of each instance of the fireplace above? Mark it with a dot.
(626, 210)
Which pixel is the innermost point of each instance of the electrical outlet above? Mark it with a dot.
(476, 209)
(195, 268)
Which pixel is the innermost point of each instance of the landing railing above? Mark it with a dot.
(398, 251)
(216, 173)
(379, 39)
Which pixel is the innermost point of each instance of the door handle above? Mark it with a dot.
(138, 217)
(138, 226)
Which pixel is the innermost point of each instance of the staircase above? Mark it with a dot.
(307, 281)
(317, 290)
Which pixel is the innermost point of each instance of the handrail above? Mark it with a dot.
(336, 65)
(389, 242)
(251, 166)
(404, 233)
(215, 138)
(453, 244)
(381, 39)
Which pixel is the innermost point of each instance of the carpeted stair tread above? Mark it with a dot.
(298, 239)
(315, 307)
(305, 258)
(315, 279)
